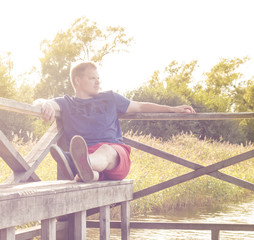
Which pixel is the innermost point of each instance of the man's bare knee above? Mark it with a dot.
(111, 155)
(104, 158)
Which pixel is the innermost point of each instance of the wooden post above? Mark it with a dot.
(80, 225)
(125, 220)
(7, 233)
(215, 234)
(48, 229)
(104, 223)
(62, 144)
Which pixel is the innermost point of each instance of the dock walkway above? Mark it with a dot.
(44, 201)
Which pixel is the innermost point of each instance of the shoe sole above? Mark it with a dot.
(61, 161)
(79, 153)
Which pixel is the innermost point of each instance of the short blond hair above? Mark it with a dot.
(78, 69)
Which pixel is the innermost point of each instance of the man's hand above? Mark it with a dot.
(48, 108)
(48, 112)
(183, 109)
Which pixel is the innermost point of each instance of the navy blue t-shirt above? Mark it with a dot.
(95, 119)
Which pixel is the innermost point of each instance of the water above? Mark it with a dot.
(242, 213)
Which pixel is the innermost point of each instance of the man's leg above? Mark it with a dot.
(104, 158)
(63, 159)
(89, 166)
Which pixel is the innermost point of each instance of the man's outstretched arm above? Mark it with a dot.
(146, 107)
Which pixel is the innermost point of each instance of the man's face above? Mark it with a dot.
(88, 84)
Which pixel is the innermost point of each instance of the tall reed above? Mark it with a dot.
(148, 170)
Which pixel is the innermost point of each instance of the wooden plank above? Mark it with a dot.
(63, 145)
(15, 106)
(105, 223)
(24, 234)
(53, 134)
(182, 226)
(48, 229)
(183, 116)
(62, 140)
(156, 152)
(22, 190)
(183, 162)
(12, 157)
(41, 149)
(37, 154)
(31, 232)
(215, 234)
(12, 105)
(125, 220)
(62, 230)
(80, 225)
(71, 226)
(194, 174)
(19, 107)
(28, 233)
(57, 199)
(7, 233)
(189, 226)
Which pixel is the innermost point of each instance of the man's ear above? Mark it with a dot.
(76, 81)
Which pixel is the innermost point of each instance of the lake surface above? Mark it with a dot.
(242, 213)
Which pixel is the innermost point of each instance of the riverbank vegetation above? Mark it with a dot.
(147, 170)
(204, 191)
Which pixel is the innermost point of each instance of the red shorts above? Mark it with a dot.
(123, 168)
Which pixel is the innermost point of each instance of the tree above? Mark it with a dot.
(244, 103)
(179, 78)
(7, 83)
(222, 86)
(174, 89)
(7, 90)
(84, 40)
(14, 123)
(8, 122)
(222, 90)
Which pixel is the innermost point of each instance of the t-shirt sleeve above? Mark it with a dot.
(61, 101)
(122, 103)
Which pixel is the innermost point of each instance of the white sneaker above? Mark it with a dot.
(79, 153)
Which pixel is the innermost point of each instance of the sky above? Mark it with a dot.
(163, 31)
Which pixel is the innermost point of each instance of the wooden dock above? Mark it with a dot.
(43, 201)
(22, 201)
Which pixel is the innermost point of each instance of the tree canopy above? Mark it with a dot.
(222, 89)
(85, 41)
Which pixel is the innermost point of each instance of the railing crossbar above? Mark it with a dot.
(167, 156)
(25, 108)
(182, 226)
(200, 170)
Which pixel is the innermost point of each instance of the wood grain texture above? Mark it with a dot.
(27, 202)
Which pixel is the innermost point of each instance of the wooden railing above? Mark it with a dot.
(23, 169)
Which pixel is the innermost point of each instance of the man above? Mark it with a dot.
(92, 129)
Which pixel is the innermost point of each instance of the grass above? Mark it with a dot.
(147, 170)
(204, 191)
